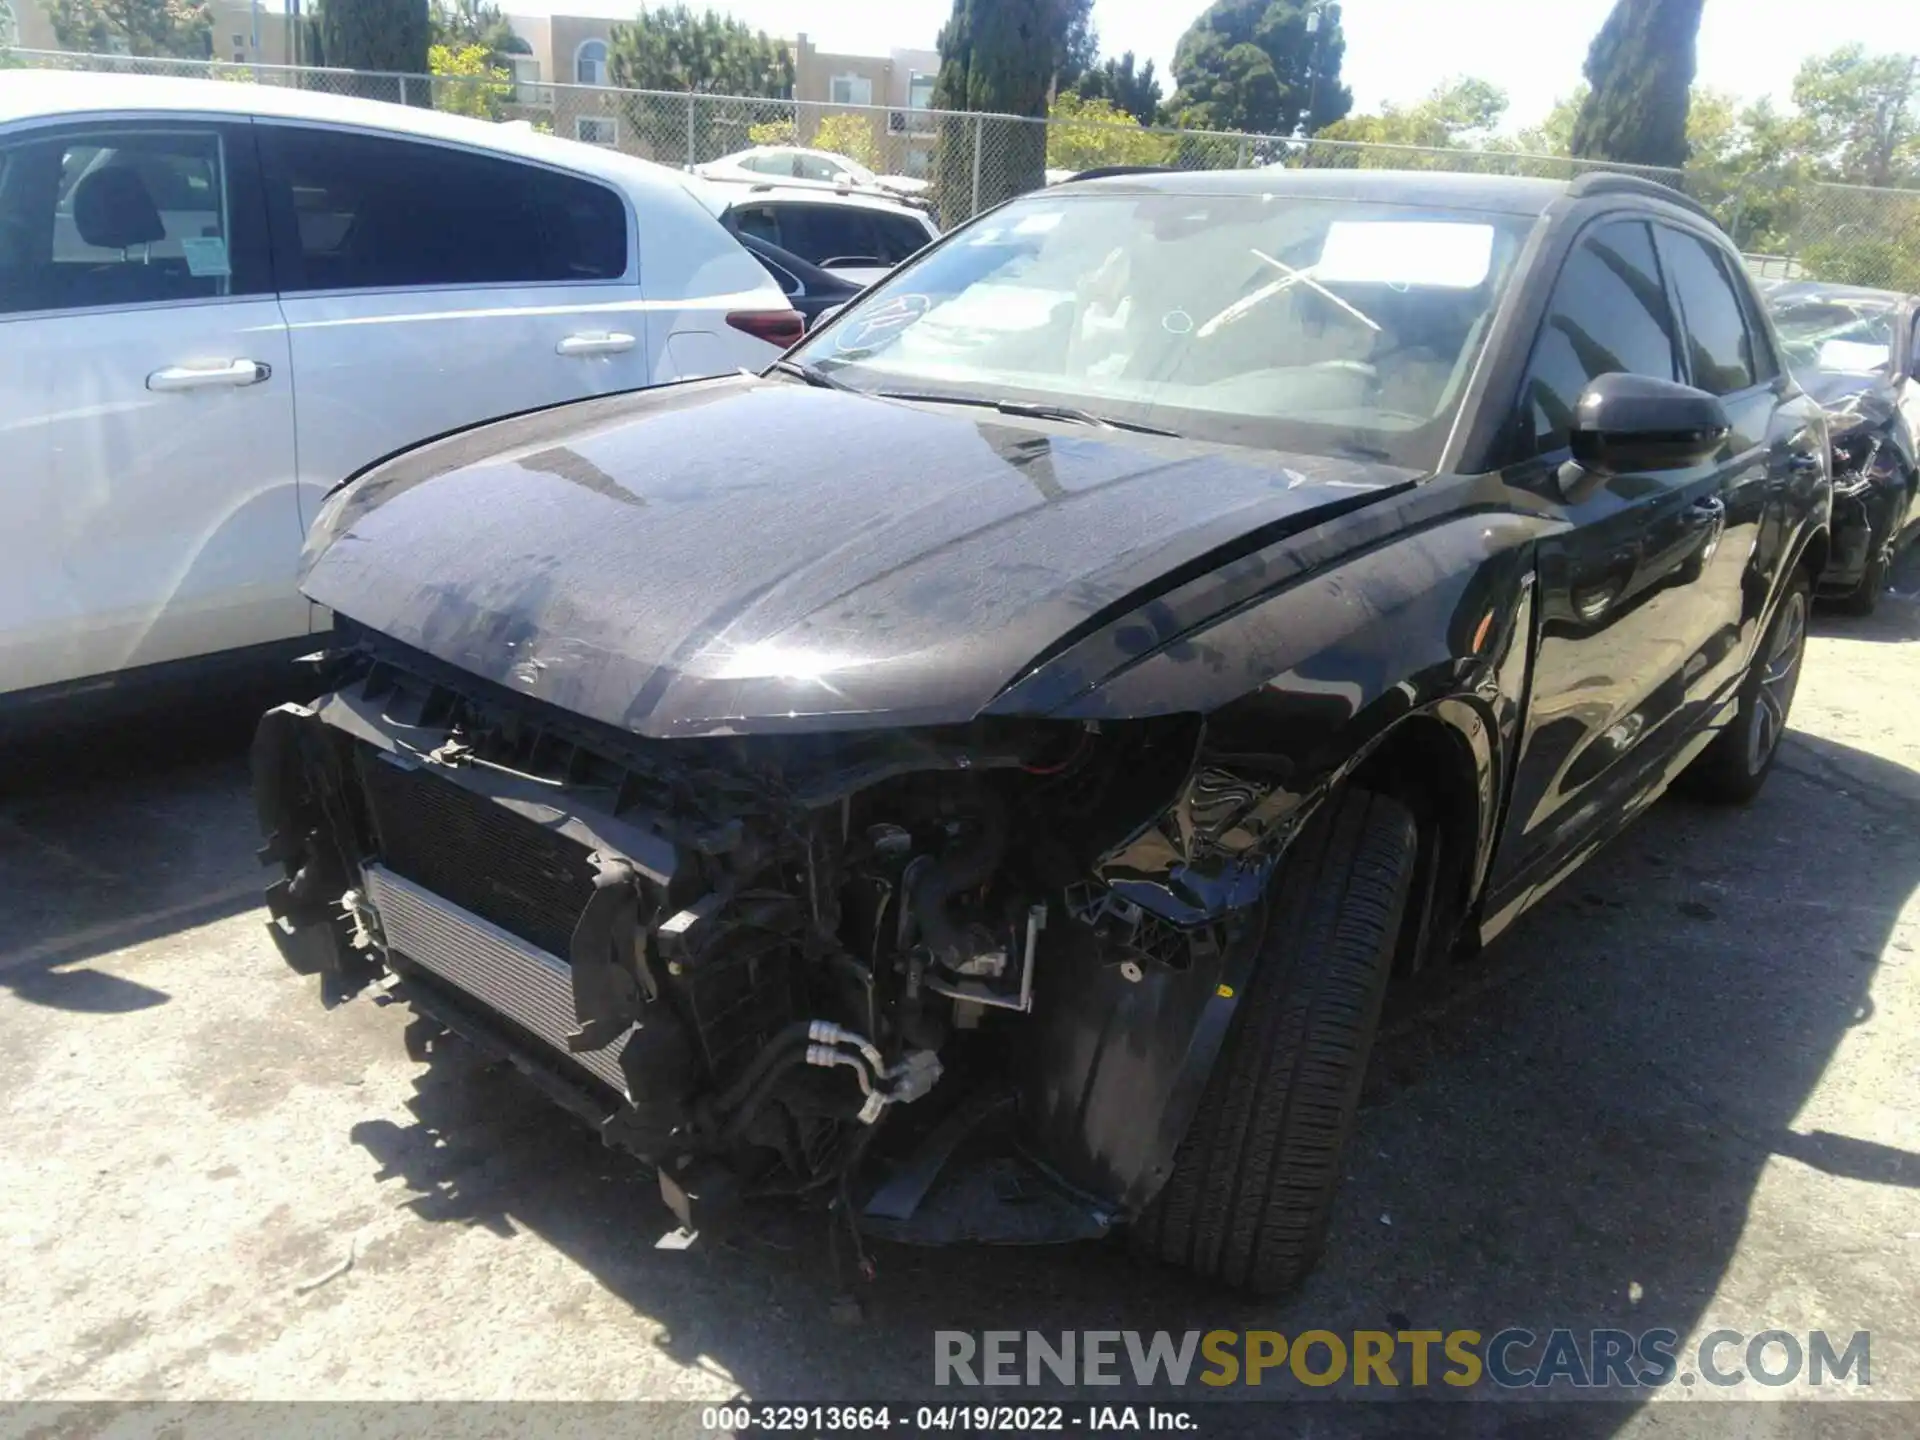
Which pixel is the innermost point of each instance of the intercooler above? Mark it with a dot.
(527, 985)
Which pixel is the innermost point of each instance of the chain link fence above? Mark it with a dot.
(962, 163)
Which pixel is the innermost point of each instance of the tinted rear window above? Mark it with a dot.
(373, 213)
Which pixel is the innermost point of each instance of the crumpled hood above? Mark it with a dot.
(742, 555)
(1850, 398)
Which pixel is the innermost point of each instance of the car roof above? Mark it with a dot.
(739, 194)
(57, 94)
(1502, 194)
(790, 150)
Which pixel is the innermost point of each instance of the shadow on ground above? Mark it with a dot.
(1565, 1132)
(116, 834)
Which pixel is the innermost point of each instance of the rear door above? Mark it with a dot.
(147, 504)
(1622, 610)
(429, 287)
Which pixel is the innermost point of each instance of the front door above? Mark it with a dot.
(1624, 610)
(146, 403)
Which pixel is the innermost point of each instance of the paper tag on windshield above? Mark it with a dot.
(1440, 253)
(206, 255)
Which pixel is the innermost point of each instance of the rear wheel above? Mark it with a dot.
(1253, 1182)
(1735, 766)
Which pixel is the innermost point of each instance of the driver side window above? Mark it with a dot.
(1609, 315)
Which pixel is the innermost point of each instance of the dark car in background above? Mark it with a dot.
(986, 771)
(809, 289)
(1857, 352)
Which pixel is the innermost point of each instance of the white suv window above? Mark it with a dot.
(114, 217)
(370, 212)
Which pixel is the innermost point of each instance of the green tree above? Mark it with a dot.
(1554, 134)
(997, 56)
(468, 81)
(672, 48)
(1117, 82)
(1087, 133)
(1861, 116)
(1077, 47)
(458, 24)
(181, 29)
(386, 35)
(1271, 66)
(1456, 114)
(848, 133)
(1641, 67)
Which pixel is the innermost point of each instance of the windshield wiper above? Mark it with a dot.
(1074, 415)
(1030, 410)
(809, 373)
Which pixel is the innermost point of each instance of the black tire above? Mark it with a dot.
(1732, 769)
(1253, 1181)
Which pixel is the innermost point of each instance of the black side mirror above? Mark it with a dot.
(1627, 424)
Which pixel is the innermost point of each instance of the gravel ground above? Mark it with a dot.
(1682, 1093)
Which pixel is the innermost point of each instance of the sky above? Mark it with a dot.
(1397, 50)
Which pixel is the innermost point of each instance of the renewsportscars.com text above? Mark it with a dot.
(1511, 1359)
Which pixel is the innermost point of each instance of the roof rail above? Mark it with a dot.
(1613, 182)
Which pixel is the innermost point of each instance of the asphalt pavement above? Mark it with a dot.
(1684, 1093)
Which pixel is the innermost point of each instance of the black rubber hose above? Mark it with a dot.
(962, 869)
(793, 1037)
(757, 1096)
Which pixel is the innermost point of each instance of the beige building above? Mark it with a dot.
(241, 34)
(573, 50)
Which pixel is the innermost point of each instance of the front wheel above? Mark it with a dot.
(1733, 768)
(1253, 1182)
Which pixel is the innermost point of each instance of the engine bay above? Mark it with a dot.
(786, 965)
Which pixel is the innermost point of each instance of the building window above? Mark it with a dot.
(851, 90)
(526, 80)
(596, 129)
(919, 91)
(590, 63)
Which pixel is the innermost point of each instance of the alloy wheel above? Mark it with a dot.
(1778, 680)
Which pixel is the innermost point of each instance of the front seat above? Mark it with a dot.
(113, 210)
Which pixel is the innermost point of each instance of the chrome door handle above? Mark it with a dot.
(596, 342)
(205, 377)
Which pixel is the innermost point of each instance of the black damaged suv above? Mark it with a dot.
(989, 767)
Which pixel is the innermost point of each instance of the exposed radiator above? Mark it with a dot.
(502, 971)
(492, 863)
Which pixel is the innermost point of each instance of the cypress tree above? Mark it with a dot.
(1641, 68)
(997, 56)
(391, 35)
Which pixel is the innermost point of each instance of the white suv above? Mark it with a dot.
(219, 301)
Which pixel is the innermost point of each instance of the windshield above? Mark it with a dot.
(1833, 332)
(1304, 324)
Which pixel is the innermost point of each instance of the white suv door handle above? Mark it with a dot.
(595, 342)
(206, 377)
